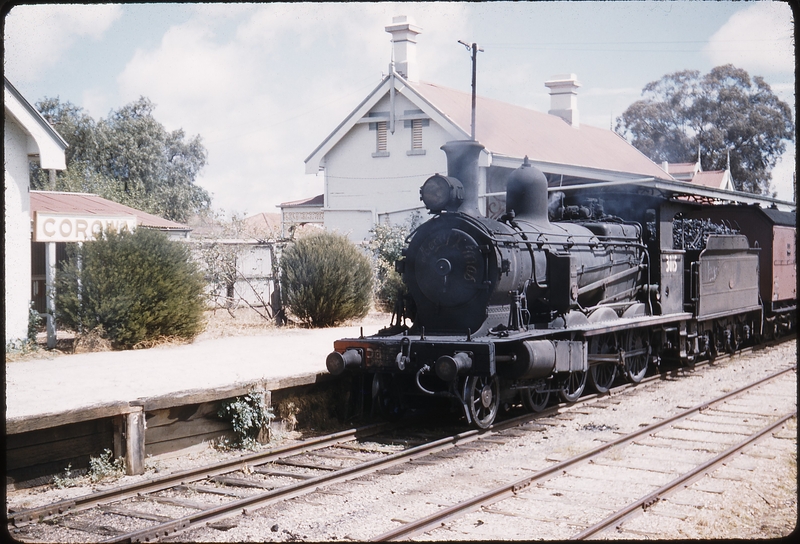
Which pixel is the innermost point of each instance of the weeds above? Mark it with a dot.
(250, 418)
(62, 482)
(100, 468)
(104, 467)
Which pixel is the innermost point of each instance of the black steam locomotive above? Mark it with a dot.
(556, 294)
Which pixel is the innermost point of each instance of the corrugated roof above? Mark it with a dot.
(515, 131)
(92, 204)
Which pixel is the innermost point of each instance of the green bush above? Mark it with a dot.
(138, 286)
(387, 243)
(325, 280)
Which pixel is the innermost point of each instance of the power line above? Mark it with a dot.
(646, 42)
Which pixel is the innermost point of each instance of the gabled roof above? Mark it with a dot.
(712, 178)
(682, 170)
(263, 221)
(510, 131)
(49, 143)
(514, 131)
(313, 202)
(91, 204)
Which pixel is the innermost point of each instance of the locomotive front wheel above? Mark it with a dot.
(635, 365)
(535, 401)
(482, 395)
(573, 389)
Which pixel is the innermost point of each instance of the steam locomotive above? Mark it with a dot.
(566, 291)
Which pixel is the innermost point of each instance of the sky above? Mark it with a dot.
(264, 84)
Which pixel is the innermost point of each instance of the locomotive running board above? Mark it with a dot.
(593, 329)
(625, 323)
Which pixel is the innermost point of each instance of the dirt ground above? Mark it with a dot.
(219, 323)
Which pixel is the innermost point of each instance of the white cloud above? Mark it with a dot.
(38, 36)
(96, 102)
(758, 39)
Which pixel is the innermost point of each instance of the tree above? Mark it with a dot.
(724, 111)
(129, 158)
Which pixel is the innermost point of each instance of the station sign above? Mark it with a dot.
(59, 227)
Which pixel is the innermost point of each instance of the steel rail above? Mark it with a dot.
(247, 504)
(683, 480)
(34, 515)
(421, 525)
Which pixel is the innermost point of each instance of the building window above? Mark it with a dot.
(416, 132)
(380, 137)
(381, 134)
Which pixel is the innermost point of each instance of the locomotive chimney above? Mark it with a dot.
(404, 46)
(462, 164)
(526, 194)
(564, 98)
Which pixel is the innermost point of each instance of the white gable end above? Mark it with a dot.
(377, 159)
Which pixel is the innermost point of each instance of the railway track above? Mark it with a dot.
(747, 420)
(163, 507)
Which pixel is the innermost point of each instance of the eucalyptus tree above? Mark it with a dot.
(722, 113)
(128, 157)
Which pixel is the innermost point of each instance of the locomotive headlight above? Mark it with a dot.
(441, 193)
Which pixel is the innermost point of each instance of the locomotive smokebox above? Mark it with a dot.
(526, 194)
(462, 164)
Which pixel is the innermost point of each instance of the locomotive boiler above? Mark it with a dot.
(522, 307)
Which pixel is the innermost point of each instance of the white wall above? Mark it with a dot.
(361, 187)
(17, 259)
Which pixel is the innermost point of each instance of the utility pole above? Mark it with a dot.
(474, 48)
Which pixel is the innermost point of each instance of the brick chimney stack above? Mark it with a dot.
(564, 97)
(404, 46)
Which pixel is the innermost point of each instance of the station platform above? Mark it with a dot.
(43, 393)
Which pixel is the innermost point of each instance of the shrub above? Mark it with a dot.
(325, 280)
(138, 286)
(387, 243)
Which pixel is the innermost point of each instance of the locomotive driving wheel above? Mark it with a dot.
(602, 375)
(636, 364)
(482, 395)
(573, 387)
(535, 401)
